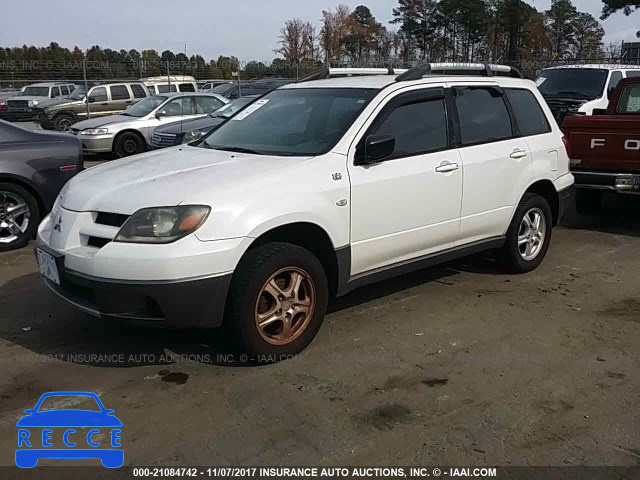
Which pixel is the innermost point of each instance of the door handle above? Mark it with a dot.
(517, 154)
(446, 167)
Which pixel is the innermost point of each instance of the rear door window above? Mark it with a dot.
(483, 115)
(119, 92)
(187, 87)
(207, 104)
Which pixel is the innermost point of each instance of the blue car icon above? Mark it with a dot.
(61, 423)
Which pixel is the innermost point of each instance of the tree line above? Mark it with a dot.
(500, 31)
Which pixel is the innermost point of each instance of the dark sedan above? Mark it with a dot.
(177, 133)
(34, 165)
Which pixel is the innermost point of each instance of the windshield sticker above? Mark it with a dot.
(257, 105)
(540, 81)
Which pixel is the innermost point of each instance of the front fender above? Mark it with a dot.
(317, 193)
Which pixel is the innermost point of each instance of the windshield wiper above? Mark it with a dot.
(570, 93)
(237, 150)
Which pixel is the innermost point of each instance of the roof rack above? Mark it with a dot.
(483, 69)
(327, 72)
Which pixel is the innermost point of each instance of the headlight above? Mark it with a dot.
(35, 103)
(162, 224)
(95, 131)
(191, 136)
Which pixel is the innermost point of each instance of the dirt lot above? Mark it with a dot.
(453, 365)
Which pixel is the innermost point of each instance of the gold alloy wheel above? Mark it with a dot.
(285, 306)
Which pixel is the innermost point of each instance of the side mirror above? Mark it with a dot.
(29, 410)
(377, 147)
(161, 113)
(599, 111)
(92, 99)
(610, 92)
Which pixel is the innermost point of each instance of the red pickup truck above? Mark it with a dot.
(605, 148)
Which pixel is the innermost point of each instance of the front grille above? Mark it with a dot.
(163, 139)
(21, 104)
(111, 219)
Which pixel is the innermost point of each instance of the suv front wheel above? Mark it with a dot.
(528, 236)
(63, 121)
(277, 301)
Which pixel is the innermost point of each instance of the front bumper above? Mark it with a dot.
(21, 115)
(182, 284)
(96, 143)
(608, 181)
(186, 303)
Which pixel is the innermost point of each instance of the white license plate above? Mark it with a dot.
(48, 267)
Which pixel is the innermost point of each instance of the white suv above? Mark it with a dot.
(317, 188)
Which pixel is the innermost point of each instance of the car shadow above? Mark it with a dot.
(619, 214)
(52, 331)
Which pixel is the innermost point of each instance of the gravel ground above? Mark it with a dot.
(457, 364)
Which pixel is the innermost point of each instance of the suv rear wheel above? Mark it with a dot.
(277, 301)
(63, 121)
(528, 236)
(19, 216)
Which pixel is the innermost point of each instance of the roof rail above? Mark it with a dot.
(327, 72)
(483, 69)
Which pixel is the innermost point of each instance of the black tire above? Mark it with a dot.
(127, 144)
(63, 121)
(588, 201)
(257, 267)
(12, 195)
(510, 256)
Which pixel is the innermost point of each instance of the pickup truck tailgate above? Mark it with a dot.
(608, 143)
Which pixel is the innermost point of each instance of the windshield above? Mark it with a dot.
(230, 109)
(78, 94)
(299, 122)
(36, 92)
(223, 89)
(585, 83)
(145, 107)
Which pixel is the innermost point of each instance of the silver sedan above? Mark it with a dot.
(130, 132)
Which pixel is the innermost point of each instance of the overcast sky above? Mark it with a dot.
(247, 29)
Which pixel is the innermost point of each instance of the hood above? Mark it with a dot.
(69, 418)
(205, 124)
(172, 176)
(52, 102)
(29, 98)
(104, 121)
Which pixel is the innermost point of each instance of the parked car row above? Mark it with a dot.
(130, 132)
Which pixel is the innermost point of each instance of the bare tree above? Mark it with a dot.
(298, 42)
(336, 27)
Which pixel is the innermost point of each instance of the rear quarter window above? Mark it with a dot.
(528, 112)
(138, 91)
